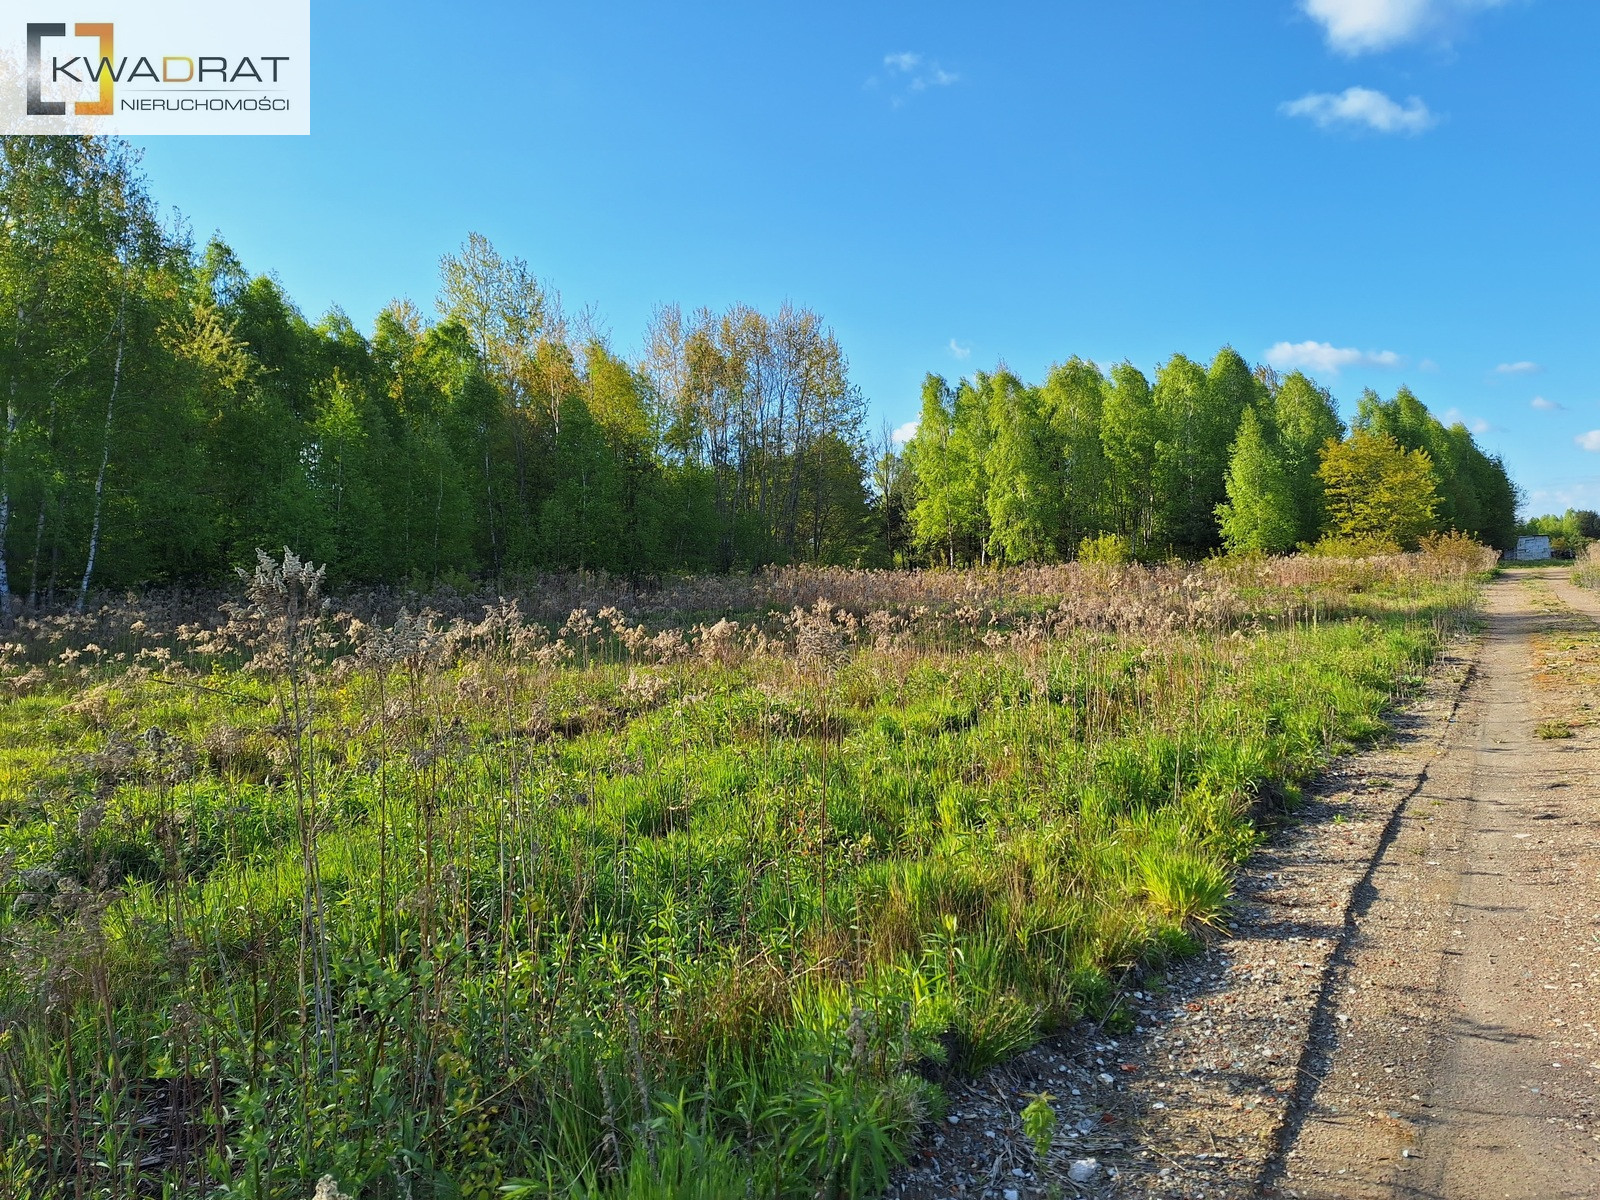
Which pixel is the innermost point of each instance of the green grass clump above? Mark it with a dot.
(445, 907)
(1188, 888)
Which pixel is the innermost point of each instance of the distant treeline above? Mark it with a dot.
(1202, 459)
(167, 412)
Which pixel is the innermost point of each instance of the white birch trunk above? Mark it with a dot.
(105, 453)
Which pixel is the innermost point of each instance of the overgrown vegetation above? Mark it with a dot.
(698, 892)
(1587, 572)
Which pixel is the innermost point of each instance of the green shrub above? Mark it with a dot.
(1106, 549)
(1338, 546)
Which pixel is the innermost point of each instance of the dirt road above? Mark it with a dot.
(1457, 1055)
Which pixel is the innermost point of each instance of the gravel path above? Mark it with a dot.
(1482, 939)
(1408, 962)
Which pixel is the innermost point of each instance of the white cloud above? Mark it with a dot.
(1590, 440)
(1359, 107)
(1544, 405)
(1324, 356)
(1358, 26)
(1518, 368)
(909, 72)
(904, 433)
(957, 350)
(1580, 493)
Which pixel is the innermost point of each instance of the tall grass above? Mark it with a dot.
(1587, 572)
(652, 903)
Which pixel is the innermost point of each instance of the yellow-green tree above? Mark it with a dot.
(1375, 488)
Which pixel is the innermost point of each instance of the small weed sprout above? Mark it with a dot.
(1039, 1126)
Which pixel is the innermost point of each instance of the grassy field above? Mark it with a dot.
(691, 892)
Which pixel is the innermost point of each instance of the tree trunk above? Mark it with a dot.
(5, 524)
(38, 525)
(11, 419)
(38, 545)
(55, 550)
(488, 507)
(5, 472)
(105, 452)
(438, 509)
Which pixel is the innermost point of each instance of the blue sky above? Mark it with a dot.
(1382, 191)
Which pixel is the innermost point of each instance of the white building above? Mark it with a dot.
(1531, 549)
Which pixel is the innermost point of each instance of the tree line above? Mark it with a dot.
(167, 412)
(1204, 458)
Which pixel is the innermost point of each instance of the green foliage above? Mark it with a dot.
(609, 910)
(1376, 489)
(1569, 533)
(1108, 549)
(1473, 491)
(970, 436)
(1073, 399)
(1039, 1125)
(1356, 546)
(1208, 457)
(167, 413)
(684, 1161)
(935, 522)
(1186, 887)
(1202, 411)
(1454, 553)
(1021, 499)
(1306, 420)
(1129, 436)
(1261, 513)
